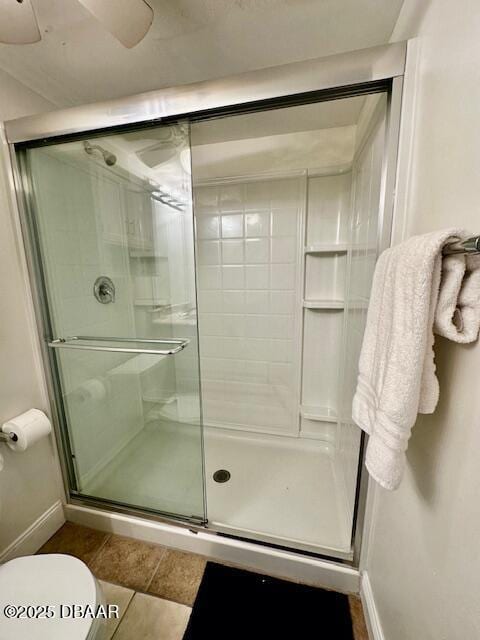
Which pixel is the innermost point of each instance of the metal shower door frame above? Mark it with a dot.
(49, 345)
(338, 76)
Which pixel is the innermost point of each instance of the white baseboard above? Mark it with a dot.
(370, 612)
(30, 541)
(259, 558)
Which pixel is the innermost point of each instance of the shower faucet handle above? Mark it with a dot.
(104, 290)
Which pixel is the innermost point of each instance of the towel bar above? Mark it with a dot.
(141, 345)
(471, 245)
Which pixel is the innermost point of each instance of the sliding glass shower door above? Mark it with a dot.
(113, 229)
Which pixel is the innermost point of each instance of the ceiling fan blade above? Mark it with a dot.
(18, 24)
(127, 20)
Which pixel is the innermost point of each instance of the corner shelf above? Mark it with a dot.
(319, 414)
(137, 365)
(150, 302)
(158, 398)
(321, 247)
(145, 253)
(323, 304)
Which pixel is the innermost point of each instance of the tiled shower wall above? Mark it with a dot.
(81, 225)
(248, 294)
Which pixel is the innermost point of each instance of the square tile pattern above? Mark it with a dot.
(248, 269)
(154, 587)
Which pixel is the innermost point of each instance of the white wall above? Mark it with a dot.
(29, 482)
(423, 559)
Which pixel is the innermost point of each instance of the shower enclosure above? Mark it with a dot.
(201, 272)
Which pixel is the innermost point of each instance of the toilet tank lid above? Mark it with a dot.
(57, 580)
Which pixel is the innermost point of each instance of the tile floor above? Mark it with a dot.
(155, 587)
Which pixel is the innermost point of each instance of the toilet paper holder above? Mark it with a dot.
(24, 430)
(8, 437)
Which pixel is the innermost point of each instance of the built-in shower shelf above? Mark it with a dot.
(320, 247)
(321, 414)
(158, 398)
(145, 253)
(137, 365)
(150, 302)
(323, 304)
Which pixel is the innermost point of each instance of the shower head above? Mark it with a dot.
(109, 158)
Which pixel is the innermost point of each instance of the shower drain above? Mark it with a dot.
(222, 475)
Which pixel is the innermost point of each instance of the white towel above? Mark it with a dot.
(457, 314)
(410, 294)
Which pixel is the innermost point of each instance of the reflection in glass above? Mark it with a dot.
(120, 207)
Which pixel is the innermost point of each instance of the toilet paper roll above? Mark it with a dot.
(91, 390)
(28, 427)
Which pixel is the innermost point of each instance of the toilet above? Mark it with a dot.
(52, 579)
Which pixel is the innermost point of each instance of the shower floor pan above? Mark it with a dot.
(281, 490)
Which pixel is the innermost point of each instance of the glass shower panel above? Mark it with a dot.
(114, 231)
(287, 203)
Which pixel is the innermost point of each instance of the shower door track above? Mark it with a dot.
(338, 76)
(195, 524)
(192, 523)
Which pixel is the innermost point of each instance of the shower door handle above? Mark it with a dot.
(163, 347)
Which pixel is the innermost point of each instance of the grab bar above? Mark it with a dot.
(71, 343)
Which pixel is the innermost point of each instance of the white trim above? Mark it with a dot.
(370, 612)
(30, 541)
(275, 562)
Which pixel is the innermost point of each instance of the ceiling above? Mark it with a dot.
(78, 61)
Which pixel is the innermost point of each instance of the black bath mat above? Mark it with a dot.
(232, 604)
